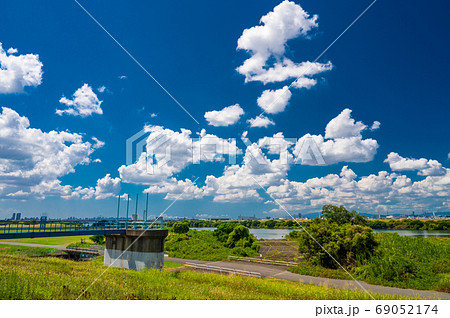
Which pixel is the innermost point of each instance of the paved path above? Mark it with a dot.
(281, 272)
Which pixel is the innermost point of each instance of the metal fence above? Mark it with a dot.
(262, 261)
(223, 270)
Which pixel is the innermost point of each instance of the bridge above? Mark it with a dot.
(46, 228)
(14, 229)
(129, 244)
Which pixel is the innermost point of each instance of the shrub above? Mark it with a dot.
(444, 283)
(98, 239)
(204, 245)
(224, 229)
(243, 251)
(240, 236)
(180, 227)
(293, 235)
(346, 243)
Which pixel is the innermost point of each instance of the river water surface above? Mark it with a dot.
(271, 234)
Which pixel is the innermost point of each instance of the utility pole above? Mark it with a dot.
(146, 212)
(135, 213)
(118, 209)
(128, 205)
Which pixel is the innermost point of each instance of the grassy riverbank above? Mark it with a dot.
(399, 261)
(202, 245)
(23, 277)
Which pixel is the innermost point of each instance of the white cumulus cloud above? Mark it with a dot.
(423, 166)
(18, 71)
(344, 126)
(381, 192)
(343, 142)
(168, 152)
(274, 101)
(107, 187)
(225, 117)
(31, 161)
(268, 42)
(260, 121)
(84, 103)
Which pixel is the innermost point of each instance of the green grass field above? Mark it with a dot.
(24, 277)
(168, 265)
(62, 240)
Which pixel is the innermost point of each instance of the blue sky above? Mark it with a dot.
(391, 67)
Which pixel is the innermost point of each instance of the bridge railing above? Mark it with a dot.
(69, 225)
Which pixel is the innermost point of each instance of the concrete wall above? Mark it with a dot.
(137, 249)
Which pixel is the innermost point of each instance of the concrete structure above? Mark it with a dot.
(146, 252)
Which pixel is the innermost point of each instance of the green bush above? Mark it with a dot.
(347, 243)
(223, 230)
(293, 235)
(98, 239)
(180, 227)
(443, 283)
(204, 245)
(82, 244)
(240, 236)
(243, 251)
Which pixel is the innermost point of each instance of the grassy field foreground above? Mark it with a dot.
(25, 277)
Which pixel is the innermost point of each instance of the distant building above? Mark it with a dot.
(248, 218)
(219, 219)
(18, 216)
(13, 216)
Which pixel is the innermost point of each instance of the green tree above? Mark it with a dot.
(340, 215)
(180, 227)
(98, 239)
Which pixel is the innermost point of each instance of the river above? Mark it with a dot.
(271, 234)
